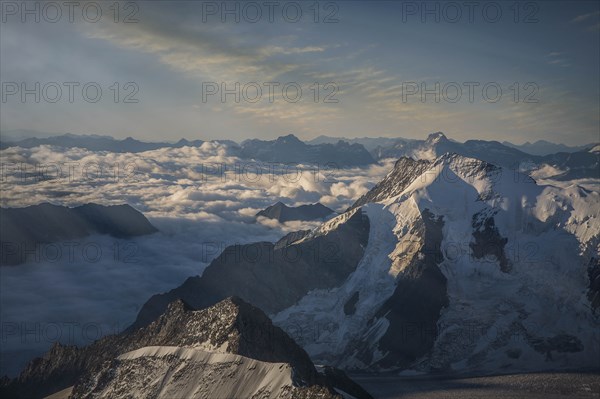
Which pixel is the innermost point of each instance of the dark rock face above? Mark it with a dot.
(340, 380)
(289, 149)
(594, 287)
(414, 308)
(272, 276)
(284, 213)
(350, 305)
(231, 325)
(405, 171)
(513, 353)
(488, 241)
(557, 343)
(22, 229)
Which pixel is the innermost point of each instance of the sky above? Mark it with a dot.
(494, 70)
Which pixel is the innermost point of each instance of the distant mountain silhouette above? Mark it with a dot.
(22, 229)
(290, 149)
(568, 162)
(284, 213)
(543, 147)
(97, 143)
(570, 165)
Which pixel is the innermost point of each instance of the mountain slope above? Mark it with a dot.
(273, 276)
(404, 172)
(209, 348)
(176, 372)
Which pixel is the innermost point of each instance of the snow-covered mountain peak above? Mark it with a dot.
(436, 137)
(453, 177)
(459, 242)
(467, 166)
(462, 187)
(405, 171)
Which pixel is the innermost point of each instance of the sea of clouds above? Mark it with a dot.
(200, 198)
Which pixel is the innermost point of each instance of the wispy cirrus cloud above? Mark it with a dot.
(558, 59)
(585, 17)
(592, 17)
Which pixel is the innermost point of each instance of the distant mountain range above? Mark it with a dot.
(540, 147)
(229, 350)
(370, 143)
(565, 166)
(543, 147)
(569, 163)
(285, 149)
(24, 229)
(97, 143)
(284, 213)
(290, 149)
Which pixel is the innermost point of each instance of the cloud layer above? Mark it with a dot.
(200, 198)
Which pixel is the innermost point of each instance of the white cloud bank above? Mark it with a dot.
(200, 198)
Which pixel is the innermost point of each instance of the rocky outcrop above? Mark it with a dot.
(232, 327)
(414, 308)
(488, 241)
(594, 287)
(405, 171)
